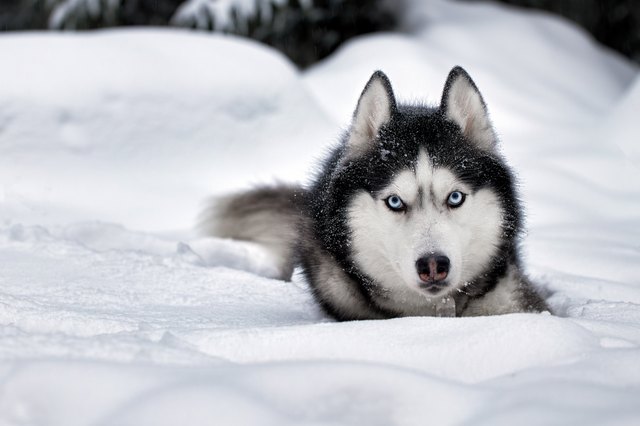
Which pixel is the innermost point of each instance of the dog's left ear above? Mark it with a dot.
(462, 103)
(375, 108)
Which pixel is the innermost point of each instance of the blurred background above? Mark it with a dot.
(304, 30)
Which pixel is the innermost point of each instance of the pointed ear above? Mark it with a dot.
(462, 103)
(375, 108)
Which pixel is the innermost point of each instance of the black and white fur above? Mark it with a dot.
(365, 260)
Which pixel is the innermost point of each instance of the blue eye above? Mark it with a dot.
(395, 203)
(456, 198)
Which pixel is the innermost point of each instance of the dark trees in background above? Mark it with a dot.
(304, 30)
(84, 14)
(307, 34)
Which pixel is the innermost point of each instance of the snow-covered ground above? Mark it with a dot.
(114, 312)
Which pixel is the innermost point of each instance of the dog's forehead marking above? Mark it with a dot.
(422, 183)
(432, 182)
(424, 172)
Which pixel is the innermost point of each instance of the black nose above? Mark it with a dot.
(433, 268)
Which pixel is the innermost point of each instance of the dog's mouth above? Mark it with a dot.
(432, 286)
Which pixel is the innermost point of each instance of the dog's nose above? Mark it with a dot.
(433, 268)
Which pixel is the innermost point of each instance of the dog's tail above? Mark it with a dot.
(269, 216)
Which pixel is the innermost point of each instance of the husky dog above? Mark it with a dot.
(414, 213)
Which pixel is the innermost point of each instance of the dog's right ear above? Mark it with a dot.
(462, 104)
(375, 108)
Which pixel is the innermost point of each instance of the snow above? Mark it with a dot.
(114, 311)
(76, 137)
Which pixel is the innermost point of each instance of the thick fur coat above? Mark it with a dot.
(415, 212)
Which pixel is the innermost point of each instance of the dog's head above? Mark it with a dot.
(426, 202)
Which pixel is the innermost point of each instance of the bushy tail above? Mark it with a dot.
(269, 216)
